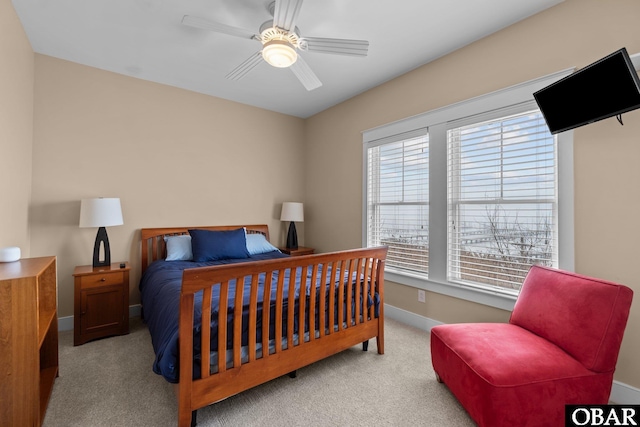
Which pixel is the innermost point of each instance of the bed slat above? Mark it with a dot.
(323, 300)
(349, 286)
(312, 303)
(302, 305)
(332, 296)
(253, 314)
(279, 311)
(344, 266)
(291, 305)
(266, 296)
(358, 296)
(222, 327)
(237, 322)
(205, 344)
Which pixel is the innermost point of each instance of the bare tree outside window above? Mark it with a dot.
(511, 247)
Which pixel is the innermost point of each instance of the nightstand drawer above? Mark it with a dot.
(101, 279)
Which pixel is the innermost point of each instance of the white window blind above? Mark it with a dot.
(502, 200)
(398, 202)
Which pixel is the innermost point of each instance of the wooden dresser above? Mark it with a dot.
(28, 339)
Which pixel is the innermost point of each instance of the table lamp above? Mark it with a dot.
(101, 212)
(292, 211)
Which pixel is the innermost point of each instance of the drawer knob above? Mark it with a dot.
(103, 280)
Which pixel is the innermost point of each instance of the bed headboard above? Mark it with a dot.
(154, 248)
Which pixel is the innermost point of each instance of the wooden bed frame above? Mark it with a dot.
(210, 388)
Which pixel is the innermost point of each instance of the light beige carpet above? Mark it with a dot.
(109, 382)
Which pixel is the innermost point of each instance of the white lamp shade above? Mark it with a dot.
(292, 211)
(100, 212)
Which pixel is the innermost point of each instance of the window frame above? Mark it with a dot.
(514, 98)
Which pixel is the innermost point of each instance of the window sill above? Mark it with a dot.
(456, 290)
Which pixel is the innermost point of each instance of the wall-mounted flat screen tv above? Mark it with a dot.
(606, 88)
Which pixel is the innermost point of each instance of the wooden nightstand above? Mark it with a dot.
(297, 252)
(101, 302)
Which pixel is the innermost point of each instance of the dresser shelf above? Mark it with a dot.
(28, 339)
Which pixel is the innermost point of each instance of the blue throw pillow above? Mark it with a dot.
(257, 244)
(208, 245)
(178, 248)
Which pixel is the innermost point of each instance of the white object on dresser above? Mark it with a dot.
(9, 254)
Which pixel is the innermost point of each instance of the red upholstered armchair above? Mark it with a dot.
(560, 347)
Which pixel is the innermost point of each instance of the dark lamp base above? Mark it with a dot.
(101, 237)
(292, 236)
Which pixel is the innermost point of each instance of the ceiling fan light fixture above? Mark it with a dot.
(279, 53)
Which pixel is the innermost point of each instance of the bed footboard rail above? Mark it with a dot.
(338, 304)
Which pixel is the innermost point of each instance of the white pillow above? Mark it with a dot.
(178, 248)
(257, 244)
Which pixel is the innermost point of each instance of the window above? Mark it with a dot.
(502, 202)
(467, 196)
(398, 202)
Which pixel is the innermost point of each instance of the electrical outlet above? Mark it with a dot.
(421, 295)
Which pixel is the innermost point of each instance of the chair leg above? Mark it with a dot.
(194, 415)
(365, 345)
(439, 379)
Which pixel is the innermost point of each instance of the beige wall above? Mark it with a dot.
(176, 157)
(16, 129)
(173, 157)
(574, 33)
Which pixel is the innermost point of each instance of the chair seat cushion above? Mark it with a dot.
(508, 355)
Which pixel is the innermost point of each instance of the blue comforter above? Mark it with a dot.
(160, 294)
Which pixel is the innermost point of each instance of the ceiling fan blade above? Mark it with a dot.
(335, 46)
(243, 69)
(286, 13)
(304, 73)
(196, 22)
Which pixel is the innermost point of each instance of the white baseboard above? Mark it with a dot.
(624, 394)
(621, 393)
(66, 323)
(409, 318)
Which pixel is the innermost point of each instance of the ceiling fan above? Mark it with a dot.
(281, 40)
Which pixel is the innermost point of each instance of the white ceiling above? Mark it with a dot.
(145, 39)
